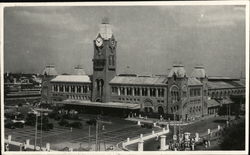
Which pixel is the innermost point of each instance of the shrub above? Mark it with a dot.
(233, 137)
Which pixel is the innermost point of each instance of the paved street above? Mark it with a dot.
(61, 137)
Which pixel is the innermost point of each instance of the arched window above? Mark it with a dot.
(174, 91)
(184, 91)
(212, 94)
(152, 92)
(217, 95)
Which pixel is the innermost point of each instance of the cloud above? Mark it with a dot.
(52, 19)
(205, 16)
(220, 17)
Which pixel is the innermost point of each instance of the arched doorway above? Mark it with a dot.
(148, 106)
(160, 110)
(148, 109)
(98, 100)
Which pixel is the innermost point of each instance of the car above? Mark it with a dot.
(18, 120)
(19, 124)
(43, 127)
(10, 125)
(77, 125)
(149, 126)
(30, 119)
(91, 122)
(50, 125)
(63, 122)
(57, 117)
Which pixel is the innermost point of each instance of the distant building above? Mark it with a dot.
(176, 93)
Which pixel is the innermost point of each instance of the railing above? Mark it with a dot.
(122, 145)
(26, 145)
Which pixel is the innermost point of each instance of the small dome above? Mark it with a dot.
(199, 72)
(178, 70)
(49, 70)
(78, 70)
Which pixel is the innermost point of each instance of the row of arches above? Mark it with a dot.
(218, 94)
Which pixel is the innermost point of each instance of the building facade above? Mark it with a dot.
(177, 93)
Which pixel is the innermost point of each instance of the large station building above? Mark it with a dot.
(188, 96)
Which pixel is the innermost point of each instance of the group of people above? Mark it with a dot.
(182, 144)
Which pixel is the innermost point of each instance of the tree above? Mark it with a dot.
(233, 138)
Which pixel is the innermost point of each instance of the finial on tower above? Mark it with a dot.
(105, 20)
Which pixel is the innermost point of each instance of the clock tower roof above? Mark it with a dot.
(105, 29)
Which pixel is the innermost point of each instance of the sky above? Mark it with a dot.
(150, 38)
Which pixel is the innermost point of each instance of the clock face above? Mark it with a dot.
(99, 42)
(112, 43)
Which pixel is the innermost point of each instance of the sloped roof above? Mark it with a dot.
(227, 100)
(138, 80)
(105, 31)
(242, 82)
(49, 70)
(178, 70)
(198, 72)
(212, 103)
(193, 81)
(219, 85)
(72, 78)
(221, 78)
(99, 104)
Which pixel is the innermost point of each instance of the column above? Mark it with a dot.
(47, 146)
(163, 142)
(148, 89)
(64, 88)
(119, 91)
(75, 89)
(82, 89)
(27, 142)
(133, 91)
(53, 88)
(156, 92)
(167, 126)
(140, 89)
(196, 137)
(140, 145)
(125, 91)
(138, 122)
(70, 89)
(128, 139)
(219, 127)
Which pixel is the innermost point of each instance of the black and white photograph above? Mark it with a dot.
(125, 77)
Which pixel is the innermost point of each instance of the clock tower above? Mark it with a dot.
(104, 62)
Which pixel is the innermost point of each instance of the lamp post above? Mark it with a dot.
(41, 132)
(37, 114)
(96, 136)
(174, 136)
(89, 137)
